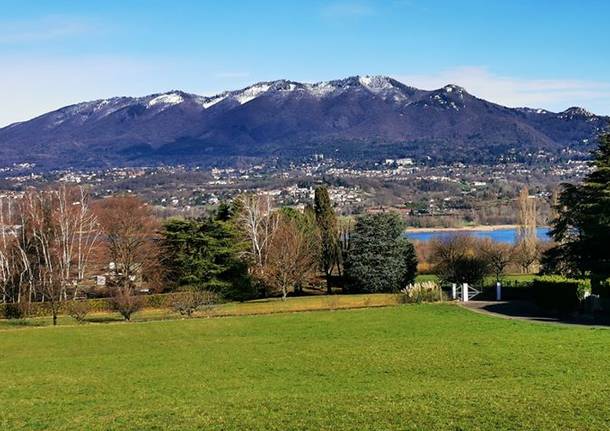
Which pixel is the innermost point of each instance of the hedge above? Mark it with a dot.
(550, 292)
(42, 309)
(559, 294)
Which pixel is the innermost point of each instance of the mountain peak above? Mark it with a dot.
(290, 118)
(577, 110)
(450, 88)
(168, 99)
(375, 81)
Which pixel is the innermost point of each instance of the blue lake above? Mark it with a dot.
(508, 235)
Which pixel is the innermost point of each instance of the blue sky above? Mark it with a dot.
(540, 53)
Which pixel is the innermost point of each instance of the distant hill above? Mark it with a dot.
(357, 118)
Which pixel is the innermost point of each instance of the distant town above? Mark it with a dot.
(427, 194)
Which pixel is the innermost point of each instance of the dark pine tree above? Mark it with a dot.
(380, 258)
(203, 254)
(582, 226)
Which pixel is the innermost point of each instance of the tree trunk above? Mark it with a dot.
(329, 289)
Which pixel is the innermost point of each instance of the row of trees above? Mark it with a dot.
(580, 230)
(253, 249)
(466, 259)
(52, 240)
(45, 244)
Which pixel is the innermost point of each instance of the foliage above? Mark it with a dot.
(78, 309)
(498, 256)
(41, 309)
(582, 226)
(380, 258)
(194, 300)
(426, 291)
(46, 239)
(126, 302)
(291, 260)
(330, 254)
(559, 293)
(15, 310)
(459, 259)
(131, 234)
(204, 253)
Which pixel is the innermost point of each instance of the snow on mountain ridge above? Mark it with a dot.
(450, 96)
(166, 99)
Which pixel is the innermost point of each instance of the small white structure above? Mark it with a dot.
(464, 293)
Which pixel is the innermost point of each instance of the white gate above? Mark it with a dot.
(464, 293)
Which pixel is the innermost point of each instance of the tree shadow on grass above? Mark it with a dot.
(530, 311)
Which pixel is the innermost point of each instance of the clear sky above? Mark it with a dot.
(539, 53)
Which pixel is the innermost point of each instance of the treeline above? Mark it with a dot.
(462, 258)
(251, 249)
(58, 246)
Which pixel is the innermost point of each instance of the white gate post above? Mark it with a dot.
(465, 292)
(454, 291)
(498, 291)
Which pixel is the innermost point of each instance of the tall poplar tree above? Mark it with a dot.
(326, 220)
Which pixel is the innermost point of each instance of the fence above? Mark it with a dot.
(510, 290)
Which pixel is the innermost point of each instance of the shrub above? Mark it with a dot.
(460, 259)
(78, 310)
(558, 293)
(16, 310)
(427, 291)
(193, 300)
(126, 302)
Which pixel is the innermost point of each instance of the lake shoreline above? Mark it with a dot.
(479, 228)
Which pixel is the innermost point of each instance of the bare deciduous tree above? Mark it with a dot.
(291, 258)
(258, 224)
(130, 233)
(498, 255)
(526, 254)
(125, 301)
(58, 231)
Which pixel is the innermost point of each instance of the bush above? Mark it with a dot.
(78, 310)
(194, 300)
(126, 302)
(97, 305)
(14, 310)
(427, 291)
(460, 259)
(559, 294)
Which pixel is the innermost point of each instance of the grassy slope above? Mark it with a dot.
(406, 367)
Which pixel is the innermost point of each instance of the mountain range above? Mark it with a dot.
(358, 118)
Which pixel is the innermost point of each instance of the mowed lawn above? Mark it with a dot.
(423, 367)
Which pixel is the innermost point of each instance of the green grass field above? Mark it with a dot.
(423, 367)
